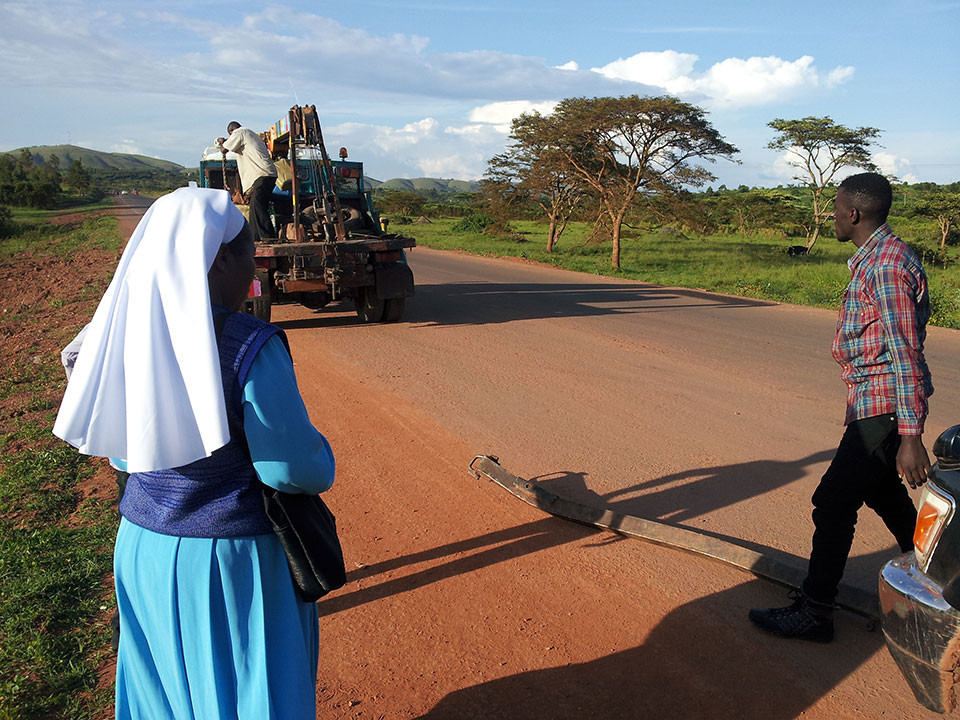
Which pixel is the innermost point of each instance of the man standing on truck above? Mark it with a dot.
(257, 175)
(879, 346)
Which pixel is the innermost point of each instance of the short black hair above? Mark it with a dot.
(870, 193)
(232, 126)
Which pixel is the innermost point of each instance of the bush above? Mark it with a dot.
(8, 228)
(476, 222)
(944, 303)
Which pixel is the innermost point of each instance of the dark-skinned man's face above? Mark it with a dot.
(844, 216)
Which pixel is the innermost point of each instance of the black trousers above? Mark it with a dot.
(260, 195)
(864, 471)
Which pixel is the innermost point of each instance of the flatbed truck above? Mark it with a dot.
(330, 243)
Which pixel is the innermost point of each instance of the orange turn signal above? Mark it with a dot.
(925, 531)
(936, 511)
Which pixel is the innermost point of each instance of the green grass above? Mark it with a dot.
(64, 205)
(55, 545)
(748, 266)
(96, 232)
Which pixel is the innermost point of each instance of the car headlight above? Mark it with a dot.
(936, 511)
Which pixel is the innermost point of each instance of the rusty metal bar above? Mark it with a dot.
(304, 286)
(765, 566)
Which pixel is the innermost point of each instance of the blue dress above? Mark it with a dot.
(213, 628)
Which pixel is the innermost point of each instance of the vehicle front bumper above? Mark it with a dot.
(922, 632)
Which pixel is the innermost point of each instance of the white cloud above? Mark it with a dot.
(418, 148)
(501, 114)
(69, 45)
(572, 65)
(127, 146)
(783, 168)
(839, 75)
(668, 69)
(898, 167)
(888, 164)
(733, 82)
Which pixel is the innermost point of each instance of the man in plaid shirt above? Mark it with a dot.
(879, 345)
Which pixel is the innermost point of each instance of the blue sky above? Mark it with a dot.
(427, 88)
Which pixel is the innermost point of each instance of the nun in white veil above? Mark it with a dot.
(201, 401)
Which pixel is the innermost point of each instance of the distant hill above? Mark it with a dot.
(96, 159)
(426, 185)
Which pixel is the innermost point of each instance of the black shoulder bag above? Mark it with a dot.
(307, 531)
(308, 534)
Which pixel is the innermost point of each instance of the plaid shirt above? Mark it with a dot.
(880, 333)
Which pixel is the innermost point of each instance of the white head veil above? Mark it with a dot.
(146, 386)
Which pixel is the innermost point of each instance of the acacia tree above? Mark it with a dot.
(402, 202)
(945, 207)
(531, 170)
(622, 147)
(819, 148)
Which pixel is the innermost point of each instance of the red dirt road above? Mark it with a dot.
(712, 412)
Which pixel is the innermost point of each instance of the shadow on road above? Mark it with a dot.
(480, 303)
(718, 487)
(495, 547)
(677, 498)
(703, 660)
(691, 493)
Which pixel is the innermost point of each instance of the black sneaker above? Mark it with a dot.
(799, 620)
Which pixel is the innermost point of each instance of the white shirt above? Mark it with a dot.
(253, 159)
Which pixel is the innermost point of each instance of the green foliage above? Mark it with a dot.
(152, 181)
(77, 178)
(8, 227)
(819, 148)
(23, 184)
(32, 232)
(944, 299)
(404, 202)
(618, 150)
(477, 222)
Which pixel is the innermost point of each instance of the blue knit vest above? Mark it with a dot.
(218, 496)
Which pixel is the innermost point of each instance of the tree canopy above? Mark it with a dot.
(619, 149)
(819, 148)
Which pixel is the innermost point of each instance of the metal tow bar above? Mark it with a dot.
(772, 568)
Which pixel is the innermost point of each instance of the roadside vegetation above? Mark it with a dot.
(57, 511)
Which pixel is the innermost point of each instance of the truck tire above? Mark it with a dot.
(261, 308)
(352, 219)
(393, 309)
(369, 306)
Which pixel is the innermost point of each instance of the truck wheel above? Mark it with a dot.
(261, 308)
(393, 309)
(369, 306)
(352, 219)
